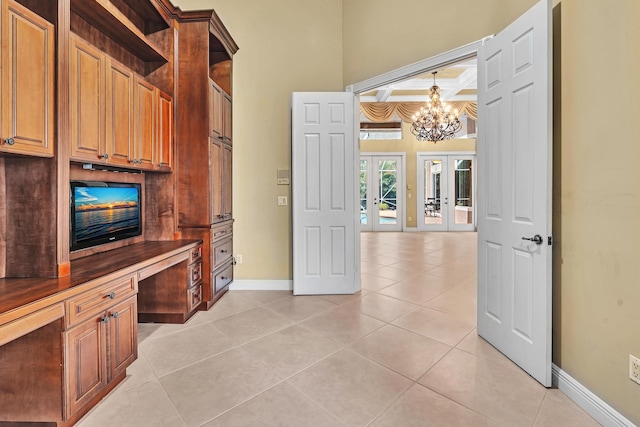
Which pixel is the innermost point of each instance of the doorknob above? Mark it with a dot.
(537, 239)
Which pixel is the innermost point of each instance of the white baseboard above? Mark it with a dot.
(410, 229)
(592, 404)
(261, 285)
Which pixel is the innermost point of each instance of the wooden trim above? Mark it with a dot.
(163, 265)
(30, 323)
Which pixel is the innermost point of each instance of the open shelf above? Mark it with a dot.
(111, 21)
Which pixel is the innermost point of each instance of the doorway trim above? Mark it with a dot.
(453, 56)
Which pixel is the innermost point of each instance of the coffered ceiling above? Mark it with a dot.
(457, 83)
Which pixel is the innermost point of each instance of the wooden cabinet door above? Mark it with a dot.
(122, 337)
(87, 104)
(215, 111)
(27, 87)
(226, 181)
(164, 129)
(226, 118)
(215, 180)
(144, 124)
(86, 370)
(119, 113)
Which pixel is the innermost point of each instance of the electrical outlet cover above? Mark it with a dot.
(634, 369)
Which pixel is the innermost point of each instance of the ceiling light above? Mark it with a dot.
(435, 121)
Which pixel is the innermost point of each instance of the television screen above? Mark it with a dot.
(103, 212)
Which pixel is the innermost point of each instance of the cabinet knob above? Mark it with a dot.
(104, 156)
(224, 251)
(115, 315)
(10, 141)
(105, 319)
(223, 278)
(112, 295)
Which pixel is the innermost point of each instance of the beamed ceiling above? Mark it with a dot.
(457, 83)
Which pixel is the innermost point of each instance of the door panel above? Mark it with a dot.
(446, 192)
(324, 202)
(514, 159)
(381, 195)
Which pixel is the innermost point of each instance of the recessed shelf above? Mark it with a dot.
(109, 20)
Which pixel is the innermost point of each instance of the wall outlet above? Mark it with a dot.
(634, 369)
(282, 201)
(238, 259)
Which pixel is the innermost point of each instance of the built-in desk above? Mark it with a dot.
(66, 342)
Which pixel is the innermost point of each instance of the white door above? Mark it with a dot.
(446, 192)
(514, 191)
(326, 250)
(381, 195)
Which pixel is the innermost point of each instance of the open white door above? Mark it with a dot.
(515, 190)
(326, 250)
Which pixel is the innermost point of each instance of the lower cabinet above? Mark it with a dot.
(98, 350)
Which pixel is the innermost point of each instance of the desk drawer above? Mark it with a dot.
(195, 273)
(196, 253)
(221, 252)
(100, 298)
(222, 278)
(194, 297)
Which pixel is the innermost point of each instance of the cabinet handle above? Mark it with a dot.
(112, 295)
(10, 141)
(224, 251)
(115, 315)
(223, 278)
(104, 156)
(105, 319)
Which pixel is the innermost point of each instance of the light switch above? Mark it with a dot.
(282, 200)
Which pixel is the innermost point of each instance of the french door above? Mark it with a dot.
(446, 192)
(381, 195)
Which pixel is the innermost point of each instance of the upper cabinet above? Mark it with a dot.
(27, 82)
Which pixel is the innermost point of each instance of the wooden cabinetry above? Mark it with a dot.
(203, 141)
(27, 82)
(144, 110)
(101, 340)
(117, 118)
(171, 291)
(119, 114)
(164, 131)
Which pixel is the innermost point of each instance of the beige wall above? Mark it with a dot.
(297, 45)
(285, 46)
(411, 146)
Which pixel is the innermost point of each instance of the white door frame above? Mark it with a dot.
(400, 194)
(448, 224)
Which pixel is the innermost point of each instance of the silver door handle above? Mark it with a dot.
(537, 239)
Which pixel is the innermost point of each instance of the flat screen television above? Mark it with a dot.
(103, 212)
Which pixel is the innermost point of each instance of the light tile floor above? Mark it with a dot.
(402, 352)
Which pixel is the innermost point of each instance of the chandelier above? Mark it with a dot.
(435, 121)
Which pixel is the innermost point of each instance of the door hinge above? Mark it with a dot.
(550, 240)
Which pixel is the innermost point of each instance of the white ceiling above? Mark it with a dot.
(457, 83)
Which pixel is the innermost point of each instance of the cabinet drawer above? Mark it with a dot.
(194, 297)
(196, 254)
(100, 298)
(220, 231)
(195, 273)
(221, 252)
(223, 277)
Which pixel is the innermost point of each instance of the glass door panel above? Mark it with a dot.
(463, 188)
(381, 193)
(387, 191)
(364, 178)
(446, 190)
